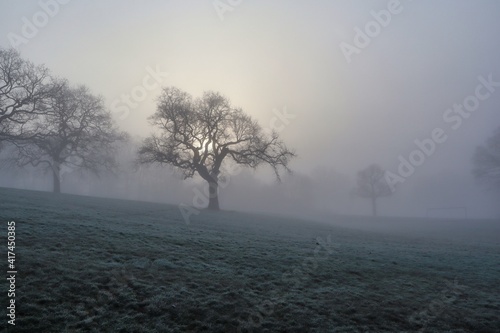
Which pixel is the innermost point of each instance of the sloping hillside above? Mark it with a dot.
(100, 265)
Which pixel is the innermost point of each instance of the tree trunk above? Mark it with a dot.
(56, 176)
(374, 206)
(213, 197)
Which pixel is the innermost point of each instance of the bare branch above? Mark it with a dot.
(75, 131)
(196, 136)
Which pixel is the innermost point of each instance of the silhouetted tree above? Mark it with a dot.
(196, 136)
(24, 89)
(371, 184)
(487, 162)
(76, 132)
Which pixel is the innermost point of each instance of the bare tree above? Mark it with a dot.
(196, 136)
(75, 132)
(371, 184)
(487, 162)
(24, 89)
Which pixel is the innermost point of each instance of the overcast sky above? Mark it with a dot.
(286, 56)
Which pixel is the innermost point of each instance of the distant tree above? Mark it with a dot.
(75, 132)
(196, 136)
(487, 162)
(24, 89)
(371, 184)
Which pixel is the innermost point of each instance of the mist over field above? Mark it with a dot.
(253, 128)
(340, 98)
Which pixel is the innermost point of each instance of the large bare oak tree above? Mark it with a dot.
(197, 136)
(75, 131)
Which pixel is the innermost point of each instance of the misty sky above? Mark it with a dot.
(286, 55)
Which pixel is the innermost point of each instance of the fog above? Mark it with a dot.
(342, 100)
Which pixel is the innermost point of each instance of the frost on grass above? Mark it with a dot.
(97, 265)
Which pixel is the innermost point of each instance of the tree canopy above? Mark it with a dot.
(75, 130)
(197, 135)
(24, 89)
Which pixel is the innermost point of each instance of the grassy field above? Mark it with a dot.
(99, 265)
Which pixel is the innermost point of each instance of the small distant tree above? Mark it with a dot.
(76, 131)
(197, 136)
(371, 184)
(487, 162)
(24, 89)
